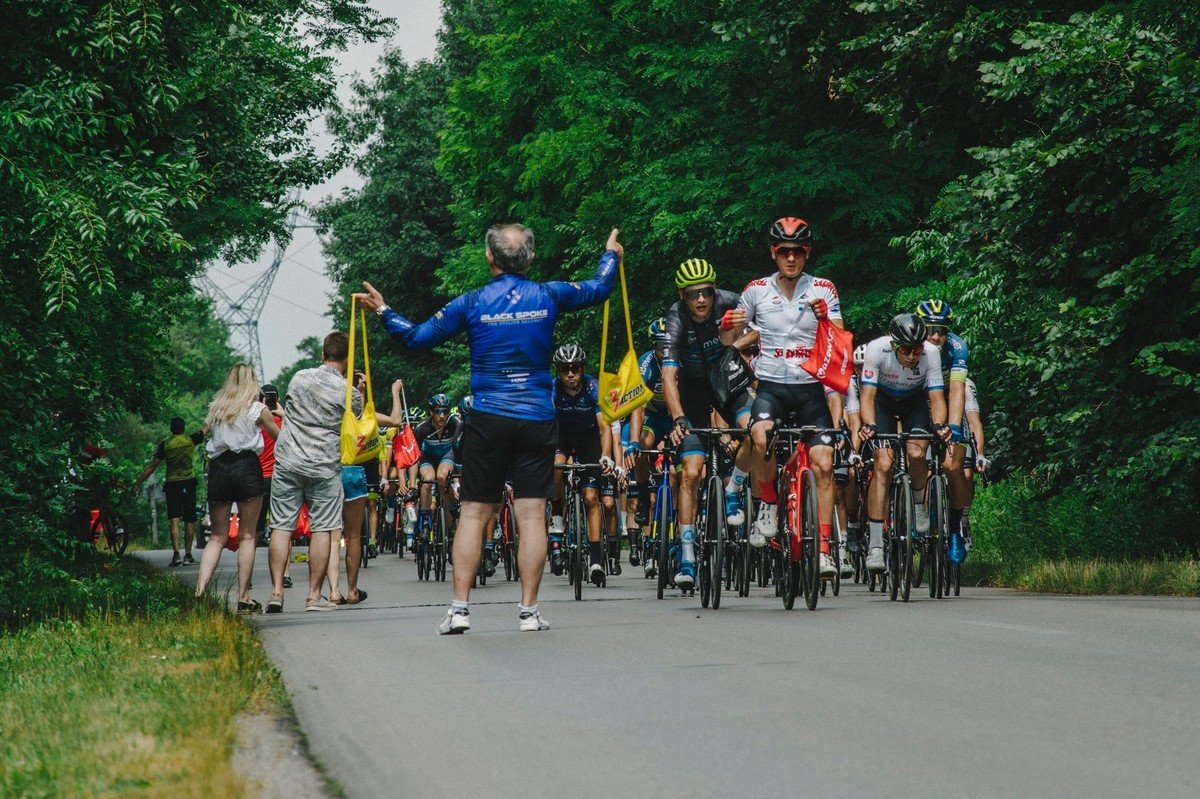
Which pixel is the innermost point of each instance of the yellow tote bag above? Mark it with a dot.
(623, 392)
(361, 441)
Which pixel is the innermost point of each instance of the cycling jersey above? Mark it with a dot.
(510, 333)
(882, 368)
(436, 444)
(693, 347)
(178, 452)
(954, 359)
(652, 377)
(787, 329)
(577, 412)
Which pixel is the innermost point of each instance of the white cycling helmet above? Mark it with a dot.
(860, 355)
(569, 354)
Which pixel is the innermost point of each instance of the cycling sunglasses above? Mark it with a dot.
(940, 330)
(786, 250)
(571, 368)
(439, 411)
(905, 350)
(707, 292)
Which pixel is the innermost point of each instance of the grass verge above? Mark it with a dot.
(1151, 577)
(137, 702)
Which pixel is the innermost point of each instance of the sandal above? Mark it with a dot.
(361, 596)
(252, 606)
(337, 600)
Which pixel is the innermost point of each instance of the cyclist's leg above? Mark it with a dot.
(425, 472)
(591, 504)
(880, 485)
(556, 500)
(691, 475)
(766, 409)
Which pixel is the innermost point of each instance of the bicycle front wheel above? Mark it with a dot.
(662, 524)
(578, 536)
(907, 540)
(939, 525)
(810, 549)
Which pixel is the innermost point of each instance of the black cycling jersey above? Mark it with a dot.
(694, 347)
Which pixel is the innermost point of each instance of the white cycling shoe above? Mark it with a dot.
(875, 560)
(765, 525)
(847, 566)
(922, 517)
(827, 567)
(556, 526)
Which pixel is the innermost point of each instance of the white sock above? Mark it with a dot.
(876, 534)
(687, 536)
(738, 477)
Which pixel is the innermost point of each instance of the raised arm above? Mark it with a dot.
(442, 326)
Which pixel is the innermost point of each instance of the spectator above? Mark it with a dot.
(269, 396)
(235, 475)
(180, 486)
(510, 331)
(308, 468)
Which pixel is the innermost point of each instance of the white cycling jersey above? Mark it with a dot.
(787, 329)
(882, 368)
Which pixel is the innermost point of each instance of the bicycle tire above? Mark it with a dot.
(891, 546)
(441, 556)
(810, 551)
(662, 521)
(703, 548)
(577, 536)
(788, 578)
(835, 552)
(909, 542)
(116, 532)
(939, 526)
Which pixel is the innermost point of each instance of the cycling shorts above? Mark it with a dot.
(658, 423)
(698, 405)
(433, 463)
(805, 401)
(913, 412)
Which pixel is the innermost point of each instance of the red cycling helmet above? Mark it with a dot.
(792, 230)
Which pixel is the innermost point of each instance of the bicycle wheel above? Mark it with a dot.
(906, 531)
(703, 547)
(788, 577)
(421, 556)
(810, 550)
(835, 553)
(577, 536)
(939, 526)
(116, 532)
(891, 543)
(662, 524)
(441, 554)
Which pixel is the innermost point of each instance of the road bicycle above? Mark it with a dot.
(662, 541)
(505, 536)
(712, 529)
(575, 537)
(797, 543)
(900, 539)
(106, 524)
(431, 543)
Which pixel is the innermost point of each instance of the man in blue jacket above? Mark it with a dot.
(513, 431)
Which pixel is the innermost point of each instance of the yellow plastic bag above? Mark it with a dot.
(360, 438)
(623, 392)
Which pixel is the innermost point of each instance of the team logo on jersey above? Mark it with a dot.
(509, 317)
(868, 374)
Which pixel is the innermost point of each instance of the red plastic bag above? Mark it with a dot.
(832, 358)
(303, 530)
(405, 451)
(232, 542)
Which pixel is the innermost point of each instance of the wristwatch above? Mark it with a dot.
(379, 311)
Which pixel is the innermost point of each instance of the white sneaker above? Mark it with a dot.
(847, 566)
(875, 560)
(922, 514)
(765, 524)
(827, 567)
(756, 539)
(556, 526)
(454, 623)
(533, 622)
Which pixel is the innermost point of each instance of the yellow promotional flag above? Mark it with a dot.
(623, 392)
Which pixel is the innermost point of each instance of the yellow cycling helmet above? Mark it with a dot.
(693, 272)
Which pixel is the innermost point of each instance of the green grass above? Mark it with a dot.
(1151, 577)
(129, 698)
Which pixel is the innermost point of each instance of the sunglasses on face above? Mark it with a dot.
(936, 330)
(707, 292)
(907, 352)
(571, 369)
(794, 251)
(440, 411)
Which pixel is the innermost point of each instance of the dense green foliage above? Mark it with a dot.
(1034, 163)
(137, 140)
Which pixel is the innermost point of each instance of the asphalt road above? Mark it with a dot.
(994, 693)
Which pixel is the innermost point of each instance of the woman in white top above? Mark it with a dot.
(235, 475)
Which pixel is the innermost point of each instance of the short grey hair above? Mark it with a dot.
(511, 247)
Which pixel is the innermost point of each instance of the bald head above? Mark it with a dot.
(510, 247)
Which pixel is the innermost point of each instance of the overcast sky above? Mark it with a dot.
(301, 294)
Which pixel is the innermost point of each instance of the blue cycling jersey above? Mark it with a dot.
(510, 332)
(652, 376)
(954, 359)
(577, 412)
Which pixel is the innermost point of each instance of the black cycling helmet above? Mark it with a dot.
(792, 230)
(569, 353)
(907, 330)
(466, 404)
(439, 401)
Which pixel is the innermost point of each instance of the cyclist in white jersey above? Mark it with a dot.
(899, 371)
(783, 310)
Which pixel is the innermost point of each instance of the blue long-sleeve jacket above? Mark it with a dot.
(510, 331)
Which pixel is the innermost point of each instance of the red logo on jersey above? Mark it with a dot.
(762, 281)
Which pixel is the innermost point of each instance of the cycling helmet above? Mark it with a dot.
(657, 330)
(792, 230)
(466, 404)
(693, 272)
(907, 330)
(439, 401)
(936, 312)
(860, 355)
(417, 414)
(569, 353)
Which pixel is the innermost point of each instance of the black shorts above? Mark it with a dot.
(181, 500)
(498, 448)
(261, 527)
(804, 400)
(913, 412)
(371, 467)
(234, 477)
(583, 448)
(698, 404)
